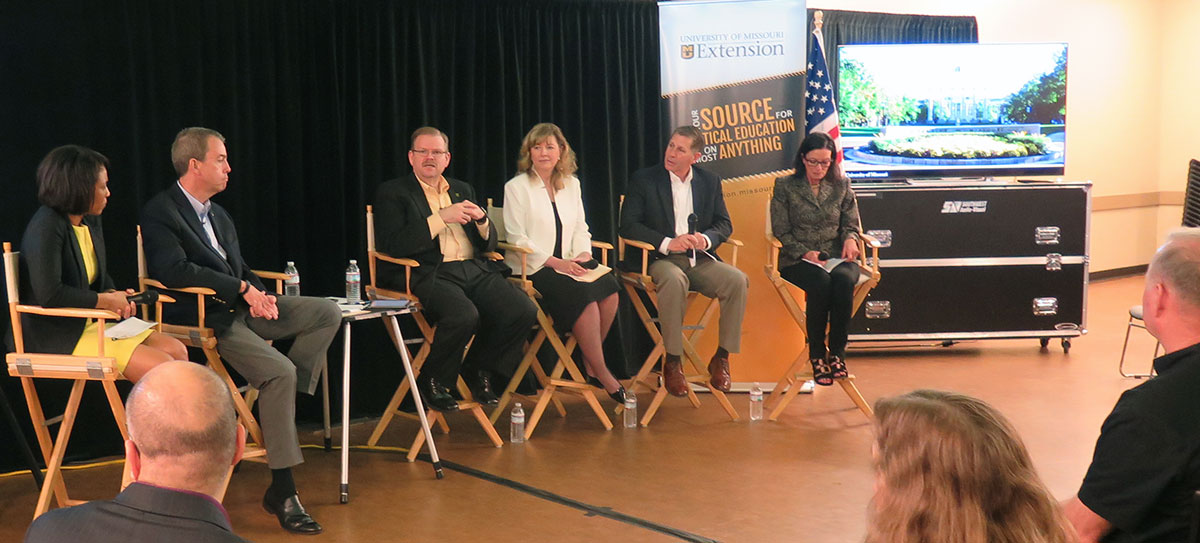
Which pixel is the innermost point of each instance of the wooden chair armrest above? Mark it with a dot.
(277, 276)
(166, 299)
(189, 290)
(492, 255)
(639, 244)
(869, 240)
(774, 241)
(77, 312)
(505, 246)
(736, 244)
(605, 248)
(407, 262)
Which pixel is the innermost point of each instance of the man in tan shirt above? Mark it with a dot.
(434, 220)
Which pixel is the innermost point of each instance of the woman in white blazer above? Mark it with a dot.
(543, 211)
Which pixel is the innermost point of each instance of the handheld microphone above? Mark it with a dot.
(822, 256)
(147, 297)
(692, 230)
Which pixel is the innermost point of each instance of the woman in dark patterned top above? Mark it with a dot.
(815, 216)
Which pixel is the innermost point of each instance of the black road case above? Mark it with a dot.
(978, 260)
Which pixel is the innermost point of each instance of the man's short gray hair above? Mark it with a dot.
(1177, 262)
(197, 429)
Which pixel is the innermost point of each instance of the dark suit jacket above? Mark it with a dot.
(52, 275)
(648, 213)
(179, 255)
(139, 513)
(401, 230)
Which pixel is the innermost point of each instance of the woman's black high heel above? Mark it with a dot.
(617, 396)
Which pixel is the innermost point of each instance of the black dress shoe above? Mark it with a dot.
(292, 516)
(436, 395)
(480, 383)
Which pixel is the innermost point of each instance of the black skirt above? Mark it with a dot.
(564, 299)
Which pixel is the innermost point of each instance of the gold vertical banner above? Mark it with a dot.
(735, 70)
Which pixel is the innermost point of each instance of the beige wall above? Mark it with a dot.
(1131, 77)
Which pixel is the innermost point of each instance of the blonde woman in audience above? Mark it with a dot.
(950, 468)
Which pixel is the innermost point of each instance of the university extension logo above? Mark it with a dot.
(953, 206)
(732, 45)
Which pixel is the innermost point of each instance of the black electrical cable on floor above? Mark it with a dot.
(589, 509)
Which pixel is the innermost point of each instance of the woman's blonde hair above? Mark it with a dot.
(952, 469)
(566, 160)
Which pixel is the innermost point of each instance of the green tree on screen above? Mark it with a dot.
(862, 103)
(1042, 100)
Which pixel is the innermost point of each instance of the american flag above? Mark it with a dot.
(820, 112)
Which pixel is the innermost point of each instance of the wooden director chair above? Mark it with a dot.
(552, 384)
(375, 292)
(694, 366)
(78, 369)
(205, 339)
(800, 371)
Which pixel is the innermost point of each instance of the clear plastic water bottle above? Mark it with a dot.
(631, 418)
(516, 432)
(756, 402)
(291, 285)
(353, 283)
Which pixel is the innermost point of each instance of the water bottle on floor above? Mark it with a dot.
(631, 419)
(353, 283)
(756, 402)
(516, 432)
(291, 285)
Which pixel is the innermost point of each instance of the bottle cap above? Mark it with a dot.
(290, 263)
(352, 261)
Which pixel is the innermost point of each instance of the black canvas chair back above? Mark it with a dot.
(1191, 198)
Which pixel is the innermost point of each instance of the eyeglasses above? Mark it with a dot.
(818, 163)
(436, 153)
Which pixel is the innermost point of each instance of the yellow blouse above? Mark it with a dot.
(87, 249)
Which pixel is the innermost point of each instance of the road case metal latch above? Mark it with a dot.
(1045, 306)
(878, 309)
(1047, 235)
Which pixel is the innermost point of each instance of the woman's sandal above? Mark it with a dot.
(837, 365)
(822, 372)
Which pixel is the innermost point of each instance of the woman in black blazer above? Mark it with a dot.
(815, 216)
(63, 265)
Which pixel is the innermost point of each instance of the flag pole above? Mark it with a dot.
(818, 20)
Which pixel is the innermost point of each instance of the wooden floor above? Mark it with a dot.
(693, 475)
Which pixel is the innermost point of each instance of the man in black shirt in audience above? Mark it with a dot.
(1146, 466)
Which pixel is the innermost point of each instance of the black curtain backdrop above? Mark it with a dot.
(317, 99)
(861, 27)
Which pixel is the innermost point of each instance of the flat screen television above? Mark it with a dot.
(913, 111)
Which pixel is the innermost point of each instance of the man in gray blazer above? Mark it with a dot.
(183, 438)
(191, 241)
(680, 209)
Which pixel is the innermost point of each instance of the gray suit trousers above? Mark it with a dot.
(674, 276)
(312, 323)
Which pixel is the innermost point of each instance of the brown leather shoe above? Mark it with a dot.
(673, 377)
(718, 368)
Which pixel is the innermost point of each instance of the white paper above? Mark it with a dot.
(829, 264)
(128, 328)
(591, 275)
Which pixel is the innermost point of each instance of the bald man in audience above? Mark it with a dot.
(1146, 465)
(183, 438)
